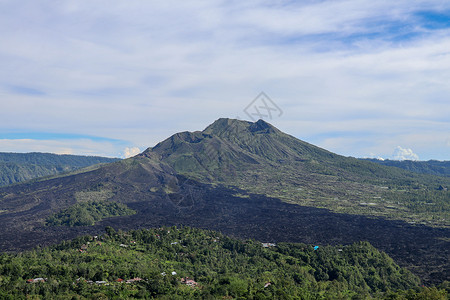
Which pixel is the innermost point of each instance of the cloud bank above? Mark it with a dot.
(129, 152)
(404, 154)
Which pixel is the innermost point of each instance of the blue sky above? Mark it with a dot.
(359, 78)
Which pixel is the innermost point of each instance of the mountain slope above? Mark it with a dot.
(18, 167)
(229, 143)
(259, 158)
(249, 180)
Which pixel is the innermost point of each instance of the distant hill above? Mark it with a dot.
(18, 167)
(434, 167)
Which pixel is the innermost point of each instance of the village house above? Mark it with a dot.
(189, 282)
(35, 280)
(82, 279)
(267, 245)
(135, 279)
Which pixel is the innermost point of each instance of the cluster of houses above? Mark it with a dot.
(267, 245)
(133, 280)
(84, 247)
(102, 282)
(185, 280)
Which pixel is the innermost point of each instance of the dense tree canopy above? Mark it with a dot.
(87, 213)
(184, 263)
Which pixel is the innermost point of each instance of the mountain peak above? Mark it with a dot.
(263, 126)
(225, 125)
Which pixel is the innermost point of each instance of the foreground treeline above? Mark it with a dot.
(186, 263)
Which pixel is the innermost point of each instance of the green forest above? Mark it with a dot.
(187, 263)
(88, 213)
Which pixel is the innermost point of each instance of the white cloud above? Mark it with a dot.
(168, 66)
(129, 152)
(404, 154)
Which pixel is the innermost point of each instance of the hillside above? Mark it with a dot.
(249, 180)
(18, 167)
(433, 167)
(155, 263)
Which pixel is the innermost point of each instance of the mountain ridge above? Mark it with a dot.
(433, 167)
(19, 167)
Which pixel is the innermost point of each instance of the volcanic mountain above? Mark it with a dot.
(250, 180)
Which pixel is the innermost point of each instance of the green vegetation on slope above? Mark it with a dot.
(220, 267)
(87, 213)
(18, 167)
